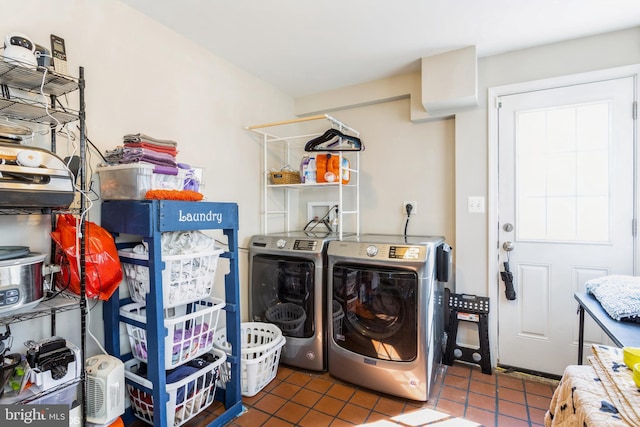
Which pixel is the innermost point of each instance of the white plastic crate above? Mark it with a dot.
(185, 278)
(187, 397)
(260, 355)
(191, 330)
(132, 181)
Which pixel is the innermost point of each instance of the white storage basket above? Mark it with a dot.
(185, 278)
(289, 317)
(260, 355)
(191, 329)
(187, 396)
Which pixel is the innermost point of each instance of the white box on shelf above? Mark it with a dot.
(132, 181)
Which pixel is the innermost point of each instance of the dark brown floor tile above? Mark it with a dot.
(286, 390)
(376, 416)
(389, 406)
(537, 415)
(316, 419)
(319, 384)
(506, 421)
(477, 375)
(454, 394)
(270, 404)
(292, 412)
(511, 409)
(250, 401)
(277, 422)
(299, 378)
(251, 418)
(329, 405)
(459, 369)
(480, 416)
(482, 388)
(364, 398)
(337, 422)
(270, 386)
(540, 402)
(511, 395)
(341, 391)
(456, 381)
(307, 398)
(452, 408)
(482, 401)
(284, 372)
(510, 382)
(539, 388)
(353, 413)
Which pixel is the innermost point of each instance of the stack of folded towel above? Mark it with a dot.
(143, 148)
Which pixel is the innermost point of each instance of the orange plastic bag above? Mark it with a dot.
(102, 265)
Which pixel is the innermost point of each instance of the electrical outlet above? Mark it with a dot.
(319, 209)
(413, 203)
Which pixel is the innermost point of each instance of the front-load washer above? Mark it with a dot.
(387, 299)
(287, 287)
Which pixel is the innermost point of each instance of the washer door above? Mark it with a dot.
(282, 293)
(374, 311)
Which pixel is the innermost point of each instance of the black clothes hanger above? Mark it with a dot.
(334, 140)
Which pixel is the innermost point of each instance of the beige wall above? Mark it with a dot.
(143, 77)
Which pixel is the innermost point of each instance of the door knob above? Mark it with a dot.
(508, 246)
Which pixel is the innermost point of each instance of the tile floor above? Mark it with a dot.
(310, 399)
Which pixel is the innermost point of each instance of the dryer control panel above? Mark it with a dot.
(305, 245)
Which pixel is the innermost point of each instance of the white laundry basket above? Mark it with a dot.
(289, 317)
(185, 278)
(260, 355)
(187, 397)
(191, 330)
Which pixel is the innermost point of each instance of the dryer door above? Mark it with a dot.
(374, 311)
(282, 293)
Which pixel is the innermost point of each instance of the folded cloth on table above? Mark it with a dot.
(619, 295)
(617, 380)
(141, 137)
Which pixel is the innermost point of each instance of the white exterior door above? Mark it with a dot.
(566, 211)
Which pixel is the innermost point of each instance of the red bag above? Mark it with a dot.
(102, 265)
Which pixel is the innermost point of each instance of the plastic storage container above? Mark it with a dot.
(185, 278)
(260, 355)
(191, 330)
(132, 181)
(187, 397)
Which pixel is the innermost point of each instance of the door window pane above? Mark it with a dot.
(563, 173)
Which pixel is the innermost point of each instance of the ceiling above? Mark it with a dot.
(304, 47)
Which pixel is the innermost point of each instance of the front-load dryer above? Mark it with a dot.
(287, 287)
(386, 303)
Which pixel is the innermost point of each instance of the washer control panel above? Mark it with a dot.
(404, 252)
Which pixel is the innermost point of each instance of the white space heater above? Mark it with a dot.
(105, 388)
